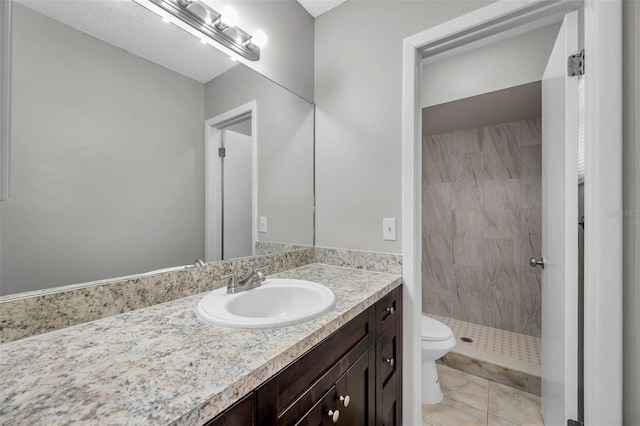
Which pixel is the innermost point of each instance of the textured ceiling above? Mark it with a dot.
(129, 26)
(318, 7)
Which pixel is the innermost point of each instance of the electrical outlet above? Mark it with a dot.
(389, 229)
(263, 224)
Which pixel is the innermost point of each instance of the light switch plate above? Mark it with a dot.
(263, 224)
(389, 229)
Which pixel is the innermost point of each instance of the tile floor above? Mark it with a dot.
(470, 400)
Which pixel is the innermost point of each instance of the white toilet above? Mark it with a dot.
(437, 341)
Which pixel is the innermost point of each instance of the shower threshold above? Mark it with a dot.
(505, 357)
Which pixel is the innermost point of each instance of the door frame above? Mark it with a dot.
(603, 184)
(213, 184)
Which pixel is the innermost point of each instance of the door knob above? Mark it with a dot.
(335, 415)
(533, 262)
(389, 361)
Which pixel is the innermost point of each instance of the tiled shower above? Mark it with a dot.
(481, 223)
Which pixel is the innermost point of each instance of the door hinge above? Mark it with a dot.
(222, 152)
(575, 64)
(572, 422)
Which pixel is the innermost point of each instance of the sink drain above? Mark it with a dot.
(466, 339)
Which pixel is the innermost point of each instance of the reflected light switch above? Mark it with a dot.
(389, 229)
(263, 224)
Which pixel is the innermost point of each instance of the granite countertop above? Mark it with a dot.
(161, 364)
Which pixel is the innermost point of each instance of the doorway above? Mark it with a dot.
(483, 203)
(231, 184)
(495, 22)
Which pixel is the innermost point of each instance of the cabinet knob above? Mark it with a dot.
(390, 361)
(335, 415)
(391, 310)
(345, 400)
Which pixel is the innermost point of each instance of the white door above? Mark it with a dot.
(560, 231)
(237, 238)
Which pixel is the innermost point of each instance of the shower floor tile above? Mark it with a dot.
(507, 349)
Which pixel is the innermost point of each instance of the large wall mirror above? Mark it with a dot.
(116, 168)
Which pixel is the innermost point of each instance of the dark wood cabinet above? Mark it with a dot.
(356, 392)
(241, 413)
(353, 377)
(389, 361)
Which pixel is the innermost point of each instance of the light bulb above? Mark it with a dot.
(166, 20)
(208, 20)
(259, 38)
(228, 16)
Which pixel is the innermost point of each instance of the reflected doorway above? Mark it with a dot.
(231, 184)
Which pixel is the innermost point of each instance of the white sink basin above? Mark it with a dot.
(276, 303)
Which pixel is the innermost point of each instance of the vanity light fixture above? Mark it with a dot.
(210, 24)
(227, 18)
(257, 39)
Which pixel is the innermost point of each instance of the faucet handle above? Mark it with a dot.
(232, 278)
(258, 273)
(262, 268)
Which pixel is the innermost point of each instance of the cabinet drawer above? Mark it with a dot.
(388, 309)
(318, 414)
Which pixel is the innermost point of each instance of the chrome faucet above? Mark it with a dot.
(254, 280)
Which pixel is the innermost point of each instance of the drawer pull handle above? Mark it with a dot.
(335, 415)
(391, 310)
(345, 400)
(390, 361)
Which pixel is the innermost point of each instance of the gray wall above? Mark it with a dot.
(106, 161)
(285, 150)
(482, 215)
(288, 56)
(507, 63)
(358, 94)
(631, 203)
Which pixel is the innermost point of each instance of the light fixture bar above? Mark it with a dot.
(207, 21)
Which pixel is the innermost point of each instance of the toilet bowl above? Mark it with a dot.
(437, 340)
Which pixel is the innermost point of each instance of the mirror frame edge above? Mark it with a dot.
(5, 102)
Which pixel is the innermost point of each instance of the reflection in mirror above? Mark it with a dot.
(109, 106)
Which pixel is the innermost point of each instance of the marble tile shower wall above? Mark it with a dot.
(481, 223)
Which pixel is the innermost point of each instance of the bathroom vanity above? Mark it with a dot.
(162, 365)
(353, 377)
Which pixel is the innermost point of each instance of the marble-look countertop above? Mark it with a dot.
(161, 364)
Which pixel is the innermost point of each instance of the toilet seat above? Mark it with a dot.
(434, 331)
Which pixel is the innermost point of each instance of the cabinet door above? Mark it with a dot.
(389, 376)
(356, 392)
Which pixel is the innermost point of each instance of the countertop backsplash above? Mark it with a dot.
(37, 312)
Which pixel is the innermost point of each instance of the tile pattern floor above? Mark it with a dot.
(492, 340)
(470, 400)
